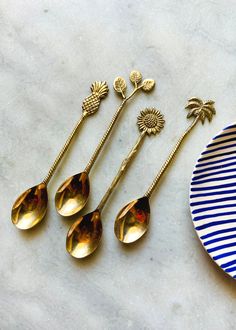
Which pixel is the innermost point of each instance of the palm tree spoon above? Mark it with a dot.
(133, 219)
(85, 234)
(31, 206)
(73, 193)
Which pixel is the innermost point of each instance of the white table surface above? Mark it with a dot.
(50, 52)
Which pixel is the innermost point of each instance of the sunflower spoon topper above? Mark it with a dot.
(84, 235)
(73, 193)
(133, 219)
(31, 206)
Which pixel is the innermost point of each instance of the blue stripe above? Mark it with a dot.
(213, 173)
(214, 167)
(231, 126)
(217, 149)
(218, 232)
(215, 223)
(215, 156)
(216, 215)
(223, 255)
(221, 142)
(213, 201)
(216, 162)
(229, 177)
(219, 239)
(229, 270)
(215, 193)
(227, 264)
(220, 247)
(213, 190)
(224, 134)
(210, 208)
(214, 187)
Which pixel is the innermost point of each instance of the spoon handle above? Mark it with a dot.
(200, 111)
(121, 171)
(64, 149)
(108, 131)
(99, 90)
(170, 158)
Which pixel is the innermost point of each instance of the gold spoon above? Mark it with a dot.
(133, 219)
(31, 206)
(84, 235)
(73, 193)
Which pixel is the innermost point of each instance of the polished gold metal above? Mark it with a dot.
(85, 234)
(133, 219)
(31, 206)
(72, 195)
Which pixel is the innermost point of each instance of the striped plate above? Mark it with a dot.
(213, 199)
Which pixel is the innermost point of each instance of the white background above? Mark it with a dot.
(50, 53)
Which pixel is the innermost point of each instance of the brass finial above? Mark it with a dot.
(151, 121)
(198, 108)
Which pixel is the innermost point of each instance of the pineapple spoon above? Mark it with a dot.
(72, 195)
(85, 234)
(30, 207)
(133, 219)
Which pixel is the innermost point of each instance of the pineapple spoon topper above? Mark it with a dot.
(91, 103)
(72, 195)
(133, 219)
(85, 234)
(31, 206)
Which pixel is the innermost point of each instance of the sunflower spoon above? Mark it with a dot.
(133, 219)
(85, 234)
(30, 207)
(72, 195)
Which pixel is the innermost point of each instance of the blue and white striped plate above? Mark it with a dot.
(213, 199)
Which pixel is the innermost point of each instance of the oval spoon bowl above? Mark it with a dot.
(72, 196)
(84, 235)
(30, 207)
(133, 220)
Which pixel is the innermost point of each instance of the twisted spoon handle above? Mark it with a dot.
(108, 131)
(170, 158)
(64, 149)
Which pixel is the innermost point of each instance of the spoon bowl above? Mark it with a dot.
(84, 235)
(133, 220)
(30, 207)
(72, 195)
